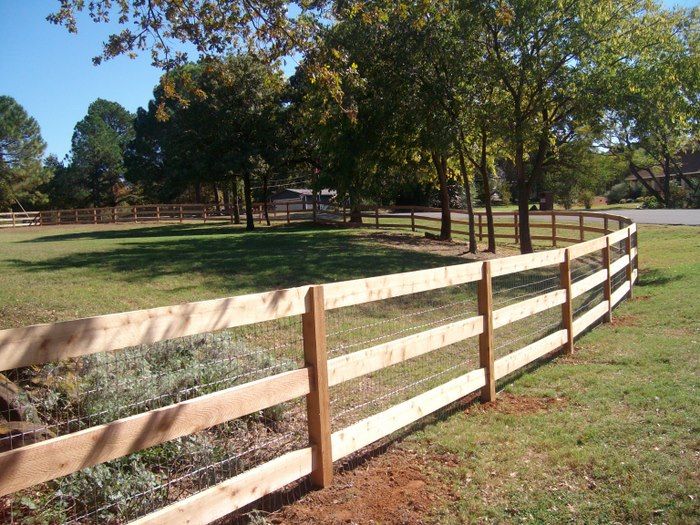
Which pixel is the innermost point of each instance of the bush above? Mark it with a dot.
(618, 192)
(586, 197)
(651, 203)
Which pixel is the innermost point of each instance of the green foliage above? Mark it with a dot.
(618, 192)
(651, 203)
(97, 152)
(21, 149)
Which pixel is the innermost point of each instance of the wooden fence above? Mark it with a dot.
(46, 460)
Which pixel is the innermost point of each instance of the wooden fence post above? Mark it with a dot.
(58, 217)
(114, 215)
(157, 213)
(605, 225)
(76, 216)
(517, 230)
(181, 214)
(413, 219)
(134, 213)
(554, 229)
(94, 215)
(485, 309)
(607, 288)
(567, 314)
(580, 227)
(12, 214)
(628, 269)
(318, 400)
(376, 217)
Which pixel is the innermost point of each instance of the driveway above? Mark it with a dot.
(684, 217)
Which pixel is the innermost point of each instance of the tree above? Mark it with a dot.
(213, 27)
(97, 151)
(214, 122)
(656, 113)
(555, 62)
(21, 151)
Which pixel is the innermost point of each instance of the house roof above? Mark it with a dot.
(690, 166)
(307, 191)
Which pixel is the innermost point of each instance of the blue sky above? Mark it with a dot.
(50, 72)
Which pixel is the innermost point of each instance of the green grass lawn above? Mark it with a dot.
(608, 435)
(64, 272)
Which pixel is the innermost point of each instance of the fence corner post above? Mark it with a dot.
(566, 307)
(554, 229)
(485, 309)
(318, 400)
(607, 289)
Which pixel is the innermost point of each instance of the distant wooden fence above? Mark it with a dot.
(33, 345)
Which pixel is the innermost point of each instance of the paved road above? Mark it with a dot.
(685, 217)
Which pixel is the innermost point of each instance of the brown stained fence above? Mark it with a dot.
(189, 412)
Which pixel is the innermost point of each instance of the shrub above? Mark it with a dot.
(586, 197)
(651, 203)
(617, 193)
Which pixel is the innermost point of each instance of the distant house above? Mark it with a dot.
(690, 167)
(300, 199)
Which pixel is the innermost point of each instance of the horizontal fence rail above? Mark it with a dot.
(455, 330)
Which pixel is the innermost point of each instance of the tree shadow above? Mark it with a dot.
(261, 260)
(655, 277)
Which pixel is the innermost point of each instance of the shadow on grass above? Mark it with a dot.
(655, 277)
(264, 259)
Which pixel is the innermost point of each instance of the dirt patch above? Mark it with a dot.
(392, 488)
(447, 248)
(507, 403)
(623, 320)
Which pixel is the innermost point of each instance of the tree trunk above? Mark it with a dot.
(236, 205)
(355, 208)
(440, 162)
(490, 229)
(197, 192)
(249, 219)
(470, 208)
(217, 202)
(667, 181)
(264, 204)
(523, 199)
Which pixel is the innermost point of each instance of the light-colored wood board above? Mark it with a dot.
(56, 457)
(358, 291)
(619, 265)
(222, 499)
(584, 248)
(582, 286)
(529, 261)
(369, 430)
(49, 342)
(528, 307)
(590, 317)
(620, 293)
(518, 359)
(375, 358)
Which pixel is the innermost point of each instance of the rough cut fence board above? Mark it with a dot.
(48, 342)
(618, 236)
(232, 494)
(619, 265)
(523, 309)
(515, 360)
(375, 358)
(582, 286)
(358, 291)
(528, 261)
(369, 430)
(56, 457)
(620, 293)
(590, 317)
(584, 248)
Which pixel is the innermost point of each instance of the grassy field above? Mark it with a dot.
(609, 435)
(64, 272)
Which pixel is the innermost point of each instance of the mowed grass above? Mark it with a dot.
(65, 272)
(608, 435)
